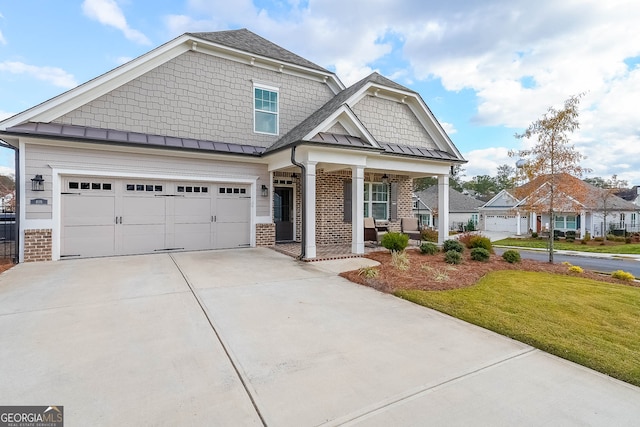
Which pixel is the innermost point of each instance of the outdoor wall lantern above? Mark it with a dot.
(37, 183)
(265, 190)
(385, 179)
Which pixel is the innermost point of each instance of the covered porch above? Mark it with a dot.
(330, 190)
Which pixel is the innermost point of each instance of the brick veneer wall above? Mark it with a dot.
(37, 245)
(330, 225)
(265, 234)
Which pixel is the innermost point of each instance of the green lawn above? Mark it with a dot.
(592, 323)
(632, 248)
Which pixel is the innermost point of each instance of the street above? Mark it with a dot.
(586, 262)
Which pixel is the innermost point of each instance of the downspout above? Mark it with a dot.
(17, 185)
(303, 188)
(18, 207)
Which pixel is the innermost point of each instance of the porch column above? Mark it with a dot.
(533, 221)
(518, 231)
(310, 209)
(357, 209)
(443, 208)
(583, 224)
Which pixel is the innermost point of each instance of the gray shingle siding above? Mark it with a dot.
(202, 97)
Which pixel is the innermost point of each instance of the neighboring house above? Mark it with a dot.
(220, 140)
(630, 195)
(583, 208)
(462, 208)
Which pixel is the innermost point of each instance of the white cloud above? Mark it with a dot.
(517, 57)
(449, 128)
(107, 12)
(54, 75)
(2, 39)
(5, 115)
(7, 171)
(486, 161)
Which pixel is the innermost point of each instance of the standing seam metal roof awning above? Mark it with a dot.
(107, 135)
(57, 130)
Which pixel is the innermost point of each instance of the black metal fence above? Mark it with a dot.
(619, 228)
(8, 233)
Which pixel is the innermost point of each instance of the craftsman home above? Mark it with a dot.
(580, 207)
(220, 140)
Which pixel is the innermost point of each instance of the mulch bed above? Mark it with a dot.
(5, 266)
(430, 272)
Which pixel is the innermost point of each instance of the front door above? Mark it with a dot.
(283, 213)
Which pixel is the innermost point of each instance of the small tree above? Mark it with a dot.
(550, 156)
(606, 198)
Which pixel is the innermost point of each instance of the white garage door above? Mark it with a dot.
(505, 223)
(102, 217)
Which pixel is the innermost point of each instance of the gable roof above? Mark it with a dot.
(503, 200)
(576, 190)
(305, 131)
(458, 202)
(236, 44)
(247, 41)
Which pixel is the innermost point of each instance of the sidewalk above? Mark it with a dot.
(575, 253)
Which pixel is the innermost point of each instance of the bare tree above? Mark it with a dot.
(550, 156)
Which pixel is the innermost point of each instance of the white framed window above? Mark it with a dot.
(424, 219)
(266, 109)
(568, 222)
(474, 218)
(376, 200)
(633, 219)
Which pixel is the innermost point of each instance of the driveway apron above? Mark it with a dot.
(252, 337)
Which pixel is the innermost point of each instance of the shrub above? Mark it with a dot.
(627, 240)
(587, 236)
(453, 257)
(622, 275)
(429, 248)
(480, 254)
(598, 239)
(571, 236)
(482, 242)
(471, 226)
(511, 256)
(395, 242)
(400, 260)
(452, 245)
(534, 235)
(429, 235)
(465, 239)
(576, 269)
(368, 272)
(583, 241)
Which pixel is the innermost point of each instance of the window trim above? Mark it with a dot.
(369, 203)
(255, 110)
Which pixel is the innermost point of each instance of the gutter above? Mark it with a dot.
(303, 191)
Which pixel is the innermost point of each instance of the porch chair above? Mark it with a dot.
(370, 230)
(410, 227)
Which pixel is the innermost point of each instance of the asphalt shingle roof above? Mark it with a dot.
(247, 41)
(458, 202)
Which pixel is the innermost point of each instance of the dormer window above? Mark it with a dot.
(265, 109)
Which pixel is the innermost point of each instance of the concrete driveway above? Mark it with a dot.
(252, 337)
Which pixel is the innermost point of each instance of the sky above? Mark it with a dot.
(487, 69)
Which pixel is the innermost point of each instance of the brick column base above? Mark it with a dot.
(37, 245)
(265, 235)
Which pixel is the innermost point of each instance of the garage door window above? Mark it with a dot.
(100, 186)
(144, 187)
